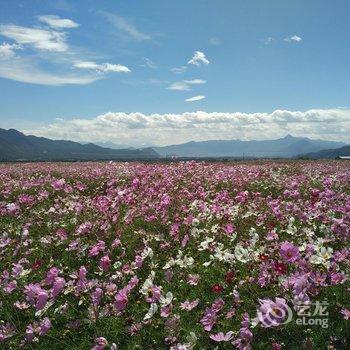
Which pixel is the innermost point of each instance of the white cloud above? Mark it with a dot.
(57, 22)
(198, 58)
(162, 129)
(179, 70)
(195, 98)
(7, 50)
(41, 39)
(195, 81)
(148, 63)
(269, 40)
(103, 67)
(179, 86)
(126, 27)
(25, 71)
(185, 85)
(294, 38)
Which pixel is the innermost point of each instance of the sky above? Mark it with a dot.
(160, 72)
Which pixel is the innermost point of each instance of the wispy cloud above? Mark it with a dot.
(179, 70)
(148, 63)
(195, 98)
(269, 40)
(26, 71)
(195, 81)
(162, 129)
(179, 86)
(57, 22)
(103, 67)
(7, 50)
(185, 85)
(198, 58)
(294, 38)
(51, 47)
(126, 27)
(41, 39)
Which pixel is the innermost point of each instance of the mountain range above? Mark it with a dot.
(286, 147)
(15, 146)
(329, 153)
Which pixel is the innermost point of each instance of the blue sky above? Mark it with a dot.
(138, 72)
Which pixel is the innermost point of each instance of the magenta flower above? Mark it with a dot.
(229, 229)
(289, 252)
(7, 330)
(273, 313)
(245, 336)
(96, 296)
(41, 300)
(208, 320)
(345, 313)
(153, 294)
(51, 275)
(58, 286)
(121, 300)
(97, 248)
(100, 343)
(138, 261)
(221, 337)
(105, 263)
(45, 325)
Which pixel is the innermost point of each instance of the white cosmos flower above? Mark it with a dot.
(148, 283)
(204, 245)
(242, 254)
(165, 301)
(151, 311)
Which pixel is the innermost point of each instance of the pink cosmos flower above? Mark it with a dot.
(10, 287)
(97, 248)
(121, 300)
(208, 320)
(153, 294)
(193, 279)
(82, 280)
(17, 269)
(138, 261)
(51, 275)
(221, 337)
(189, 305)
(35, 294)
(289, 252)
(96, 296)
(7, 330)
(105, 263)
(273, 313)
(346, 313)
(41, 300)
(229, 229)
(45, 325)
(100, 343)
(58, 286)
(245, 336)
(165, 311)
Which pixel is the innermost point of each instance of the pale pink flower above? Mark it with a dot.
(221, 337)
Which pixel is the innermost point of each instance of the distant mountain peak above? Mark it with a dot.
(287, 147)
(15, 146)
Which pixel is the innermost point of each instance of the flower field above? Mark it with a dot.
(177, 256)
